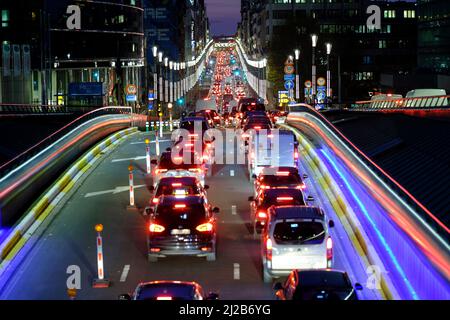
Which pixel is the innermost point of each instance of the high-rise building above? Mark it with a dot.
(50, 58)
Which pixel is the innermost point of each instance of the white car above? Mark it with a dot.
(295, 237)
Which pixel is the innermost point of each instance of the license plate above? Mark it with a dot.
(178, 232)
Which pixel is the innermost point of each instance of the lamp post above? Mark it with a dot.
(314, 39)
(155, 71)
(329, 46)
(170, 81)
(297, 75)
(166, 81)
(160, 91)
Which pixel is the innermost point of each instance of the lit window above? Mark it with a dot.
(389, 14)
(5, 18)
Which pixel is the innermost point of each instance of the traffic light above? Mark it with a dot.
(180, 101)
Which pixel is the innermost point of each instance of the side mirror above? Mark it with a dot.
(155, 162)
(251, 199)
(212, 296)
(125, 297)
(254, 176)
(206, 187)
(216, 210)
(331, 224)
(151, 189)
(310, 199)
(358, 286)
(149, 211)
(278, 286)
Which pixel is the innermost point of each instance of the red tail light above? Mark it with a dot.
(285, 198)
(257, 128)
(155, 200)
(206, 227)
(176, 185)
(296, 155)
(269, 249)
(164, 298)
(329, 248)
(180, 206)
(262, 215)
(283, 173)
(156, 228)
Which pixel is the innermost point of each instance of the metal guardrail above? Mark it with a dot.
(34, 150)
(26, 109)
(420, 103)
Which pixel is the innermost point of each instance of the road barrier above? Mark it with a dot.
(42, 208)
(411, 241)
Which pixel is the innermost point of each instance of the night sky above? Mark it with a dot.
(223, 16)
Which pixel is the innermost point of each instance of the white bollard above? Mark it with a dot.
(147, 156)
(100, 282)
(158, 151)
(131, 179)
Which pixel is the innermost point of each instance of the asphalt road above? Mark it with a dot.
(70, 238)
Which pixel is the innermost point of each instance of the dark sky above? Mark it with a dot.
(223, 16)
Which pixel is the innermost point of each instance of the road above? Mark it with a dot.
(70, 238)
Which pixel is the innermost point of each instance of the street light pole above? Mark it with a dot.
(329, 46)
(160, 60)
(314, 39)
(155, 81)
(297, 75)
(171, 81)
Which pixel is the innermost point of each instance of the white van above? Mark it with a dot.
(263, 152)
(439, 101)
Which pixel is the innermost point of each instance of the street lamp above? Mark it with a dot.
(155, 73)
(171, 81)
(160, 90)
(329, 46)
(166, 81)
(297, 75)
(314, 39)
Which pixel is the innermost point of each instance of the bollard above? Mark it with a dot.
(100, 282)
(147, 126)
(132, 205)
(161, 125)
(147, 156)
(158, 150)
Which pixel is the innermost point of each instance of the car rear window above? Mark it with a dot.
(327, 278)
(301, 232)
(280, 180)
(190, 216)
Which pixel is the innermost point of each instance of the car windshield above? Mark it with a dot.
(299, 232)
(172, 291)
(192, 125)
(167, 163)
(272, 180)
(174, 215)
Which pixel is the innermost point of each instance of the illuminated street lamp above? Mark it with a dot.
(166, 81)
(160, 90)
(314, 39)
(329, 46)
(297, 75)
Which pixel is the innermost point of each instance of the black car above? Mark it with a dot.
(168, 290)
(317, 284)
(182, 226)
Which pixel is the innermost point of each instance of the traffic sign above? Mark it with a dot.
(131, 98)
(289, 85)
(288, 77)
(151, 95)
(321, 81)
(131, 89)
(289, 69)
(308, 84)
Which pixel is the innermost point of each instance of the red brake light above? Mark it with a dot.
(180, 206)
(329, 248)
(257, 128)
(156, 228)
(283, 173)
(155, 200)
(296, 155)
(285, 198)
(301, 186)
(206, 227)
(176, 185)
(269, 249)
(164, 298)
(262, 215)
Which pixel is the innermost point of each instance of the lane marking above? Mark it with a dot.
(128, 159)
(113, 191)
(236, 271)
(125, 271)
(232, 173)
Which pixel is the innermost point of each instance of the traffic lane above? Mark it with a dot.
(70, 238)
(346, 257)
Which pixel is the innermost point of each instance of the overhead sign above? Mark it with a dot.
(289, 85)
(283, 97)
(308, 84)
(321, 81)
(289, 77)
(131, 89)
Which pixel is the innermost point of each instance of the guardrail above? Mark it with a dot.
(419, 103)
(410, 236)
(25, 176)
(25, 109)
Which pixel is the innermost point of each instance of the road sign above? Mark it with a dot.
(289, 77)
(150, 105)
(321, 81)
(131, 89)
(289, 62)
(151, 95)
(283, 97)
(131, 98)
(289, 69)
(308, 84)
(289, 85)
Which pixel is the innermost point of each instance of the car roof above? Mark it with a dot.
(268, 171)
(298, 212)
(183, 180)
(188, 200)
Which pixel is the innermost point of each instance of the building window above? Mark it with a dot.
(382, 44)
(5, 18)
(389, 14)
(409, 14)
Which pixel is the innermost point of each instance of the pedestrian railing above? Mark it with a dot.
(422, 103)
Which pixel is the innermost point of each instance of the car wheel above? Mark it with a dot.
(267, 278)
(152, 258)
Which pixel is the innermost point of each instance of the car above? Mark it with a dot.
(177, 186)
(169, 290)
(310, 285)
(260, 205)
(295, 237)
(275, 177)
(190, 164)
(182, 226)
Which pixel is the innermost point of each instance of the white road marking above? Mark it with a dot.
(232, 173)
(236, 271)
(160, 141)
(129, 159)
(233, 210)
(113, 191)
(125, 271)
